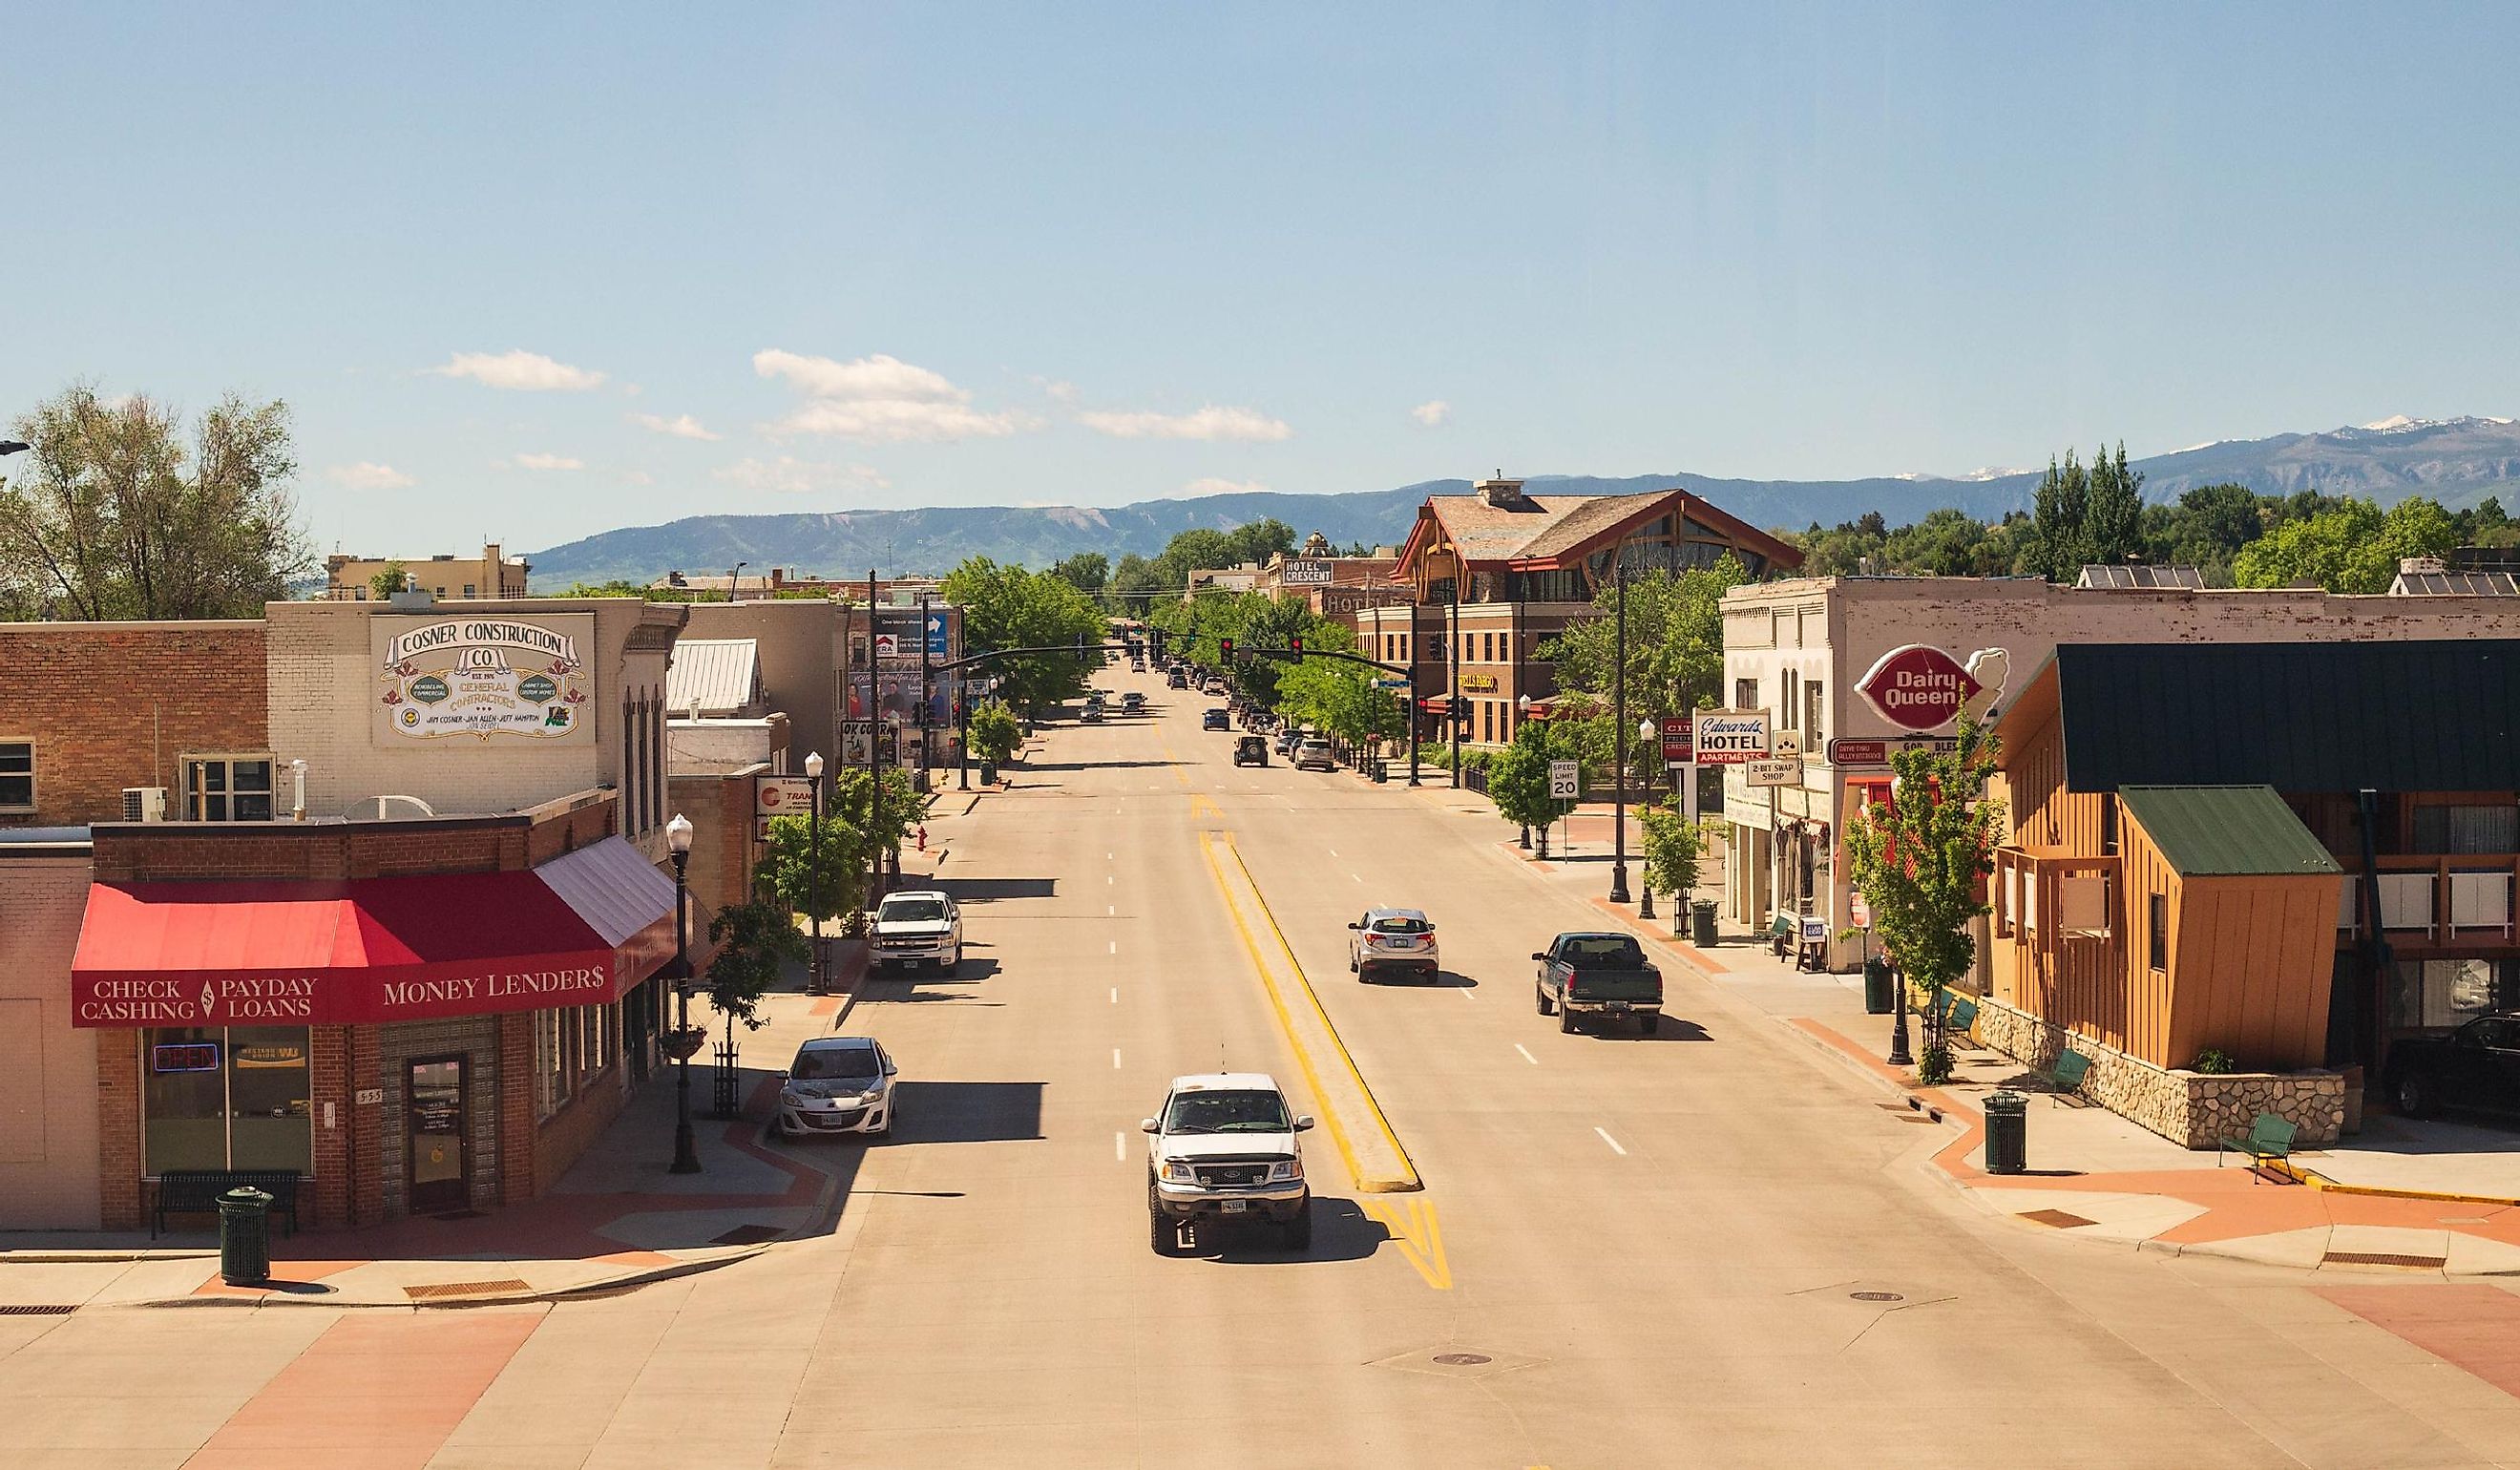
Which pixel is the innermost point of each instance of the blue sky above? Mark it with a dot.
(509, 264)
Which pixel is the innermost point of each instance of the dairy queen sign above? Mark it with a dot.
(1921, 687)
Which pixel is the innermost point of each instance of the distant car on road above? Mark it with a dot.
(1222, 1147)
(1214, 718)
(1288, 739)
(1313, 754)
(1393, 938)
(1251, 750)
(2475, 1067)
(1133, 703)
(917, 926)
(837, 1085)
(1598, 975)
(1214, 686)
(1092, 713)
(1176, 680)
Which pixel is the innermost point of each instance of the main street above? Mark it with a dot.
(1707, 1247)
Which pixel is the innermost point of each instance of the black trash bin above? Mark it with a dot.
(1879, 997)
(2007, 1128)
(244, 1237)
(1701, 923)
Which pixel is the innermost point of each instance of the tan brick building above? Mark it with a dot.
(447, 577)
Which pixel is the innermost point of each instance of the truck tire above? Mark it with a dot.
(1540, 999)
(1565, 1019)
(1650, 1022)
(2415, 1096)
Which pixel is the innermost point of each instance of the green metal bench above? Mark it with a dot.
(197, 1191)
(2269, 1142)
(1955, 1013)
(2067, 1075)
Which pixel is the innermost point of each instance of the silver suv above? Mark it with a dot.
(1393, 938)
(917, 926)
(1312, 754)
(1224, 1148)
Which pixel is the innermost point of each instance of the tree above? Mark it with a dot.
(754, 938)
(1132, 584)
(116, 516)
(1917, 859)
(2353, 547)
(1675, 848)
(995, 733)
(1675, 641)
(2055, 543)
(1009, 608)
(1086, 571)
(2112, 529)
(1518, 778)
(905, 806)
(391, 578)
(789, 865)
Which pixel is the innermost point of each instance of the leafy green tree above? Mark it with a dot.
(1086, 571)
(1917, 860)
(789, 865)
(905, 806)
(1675, 850)
(755, 939)
(2205, 529)
(2352, 548)
(1675, 642)
(112, 515)
(1009, 608)
(389, 579)
(995, 733)
(1518, 778)
(1133, 585)
(2112, 528)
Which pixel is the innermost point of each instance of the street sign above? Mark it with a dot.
(1391, 682)
(1305, 573)
(1732, 736)
(936, 647)
(1565, 779)
(1918, 687)
(1773, 773)
(1679, 746)
(1785, 746)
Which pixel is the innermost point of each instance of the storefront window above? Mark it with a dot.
(225, 1097)
(2442, 994)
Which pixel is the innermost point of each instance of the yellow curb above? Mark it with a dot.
(2318, 1181)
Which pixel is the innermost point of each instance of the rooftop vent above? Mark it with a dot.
(1503, 494)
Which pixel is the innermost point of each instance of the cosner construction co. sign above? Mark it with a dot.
(1918, 687)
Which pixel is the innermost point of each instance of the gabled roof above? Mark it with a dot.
(723, 674)
(1539, 532)
(2226, 832)
(2431, 715)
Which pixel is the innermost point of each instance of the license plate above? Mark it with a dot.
(1235, 1206)
(1619, 1005)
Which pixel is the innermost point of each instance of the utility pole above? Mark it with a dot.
(1619, 740)
(1453, 709)
(1415, 713)
(875, 754)
(923, 691)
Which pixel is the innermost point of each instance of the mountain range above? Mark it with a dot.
(2455, 461)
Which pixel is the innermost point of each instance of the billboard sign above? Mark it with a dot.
(482, 679)
(782, 796)
(1731, 737)
(1307, 572)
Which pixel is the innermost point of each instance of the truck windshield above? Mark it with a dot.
(1227, 1112)
(913, 911)
(1606, 950)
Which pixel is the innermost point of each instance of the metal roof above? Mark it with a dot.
(2394, 716)
(2435, 584)
(2129, 578)
(724, 674)
(2226, 832)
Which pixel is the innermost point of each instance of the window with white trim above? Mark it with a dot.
(227, 788)
(17, 775)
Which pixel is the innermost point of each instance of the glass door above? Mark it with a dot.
(441, 1173)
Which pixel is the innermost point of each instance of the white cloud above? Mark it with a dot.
(639, 477)
(525, 371)
(880, 399)
(1434, 413)
(369, 476)
(1211, 423)
(789, 475)
(548, 462)
(1059, 389)
(683, 426)
(1212, 485)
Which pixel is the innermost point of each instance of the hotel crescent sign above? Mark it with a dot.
(1918, 687)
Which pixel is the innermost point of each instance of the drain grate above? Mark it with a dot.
(2382, 1258)
(1877, 1296)
(748, 1235)
(440, 1289)
(1462, 1360)
(33, 1309)
(2063, 1220)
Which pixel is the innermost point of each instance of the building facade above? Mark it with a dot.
(447, 578)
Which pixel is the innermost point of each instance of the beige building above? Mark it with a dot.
(347, 579)
(1798, 649)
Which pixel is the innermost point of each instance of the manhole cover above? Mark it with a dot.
(1462, 1360)
(1877, 1296)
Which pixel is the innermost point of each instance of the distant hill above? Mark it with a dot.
(2455, 461)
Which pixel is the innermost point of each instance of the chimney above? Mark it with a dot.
(1505, 495)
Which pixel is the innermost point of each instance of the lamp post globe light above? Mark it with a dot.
(1646, 735)
(685, 1040)
(814, 862)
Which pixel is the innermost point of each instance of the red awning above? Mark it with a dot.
(371, 949)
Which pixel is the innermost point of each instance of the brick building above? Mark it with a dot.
(88, 710)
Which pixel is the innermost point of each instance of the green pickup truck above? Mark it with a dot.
(1602, 975)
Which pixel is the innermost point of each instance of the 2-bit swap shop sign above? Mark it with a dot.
(1918, 687)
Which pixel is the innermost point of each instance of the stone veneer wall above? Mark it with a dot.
(2190, 1108)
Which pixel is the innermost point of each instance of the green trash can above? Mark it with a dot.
(244, 1237)
(2007, 1128)
(1701, 923)
(1879, 998)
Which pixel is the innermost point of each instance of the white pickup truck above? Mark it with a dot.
(917, 926)
(1224, 1148)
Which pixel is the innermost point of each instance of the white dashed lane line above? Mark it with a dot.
(1526, 1056)
(1120, 1148)
(1605, 1137)
(1116, 1066)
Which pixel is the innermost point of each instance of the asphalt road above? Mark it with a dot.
(1710, 1247)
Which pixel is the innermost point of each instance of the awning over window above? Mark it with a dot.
(573, 932)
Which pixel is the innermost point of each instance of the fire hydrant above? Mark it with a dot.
(922, 839)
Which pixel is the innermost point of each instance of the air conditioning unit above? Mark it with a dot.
(144, 803)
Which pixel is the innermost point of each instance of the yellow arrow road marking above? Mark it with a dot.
(1412, 1228)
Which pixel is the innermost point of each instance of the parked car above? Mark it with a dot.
(1288, 739)
(2475, 1067)
(1222, 1147)
(1176, 680)
(916, 927)
(1598, 975)
(1393, 938)
(1313, 754)
(1214, 718)
(1133, 703)
(837, 1085)
(1251, 750)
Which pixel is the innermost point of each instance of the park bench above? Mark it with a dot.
(2270, 1140)
(1957, 1014)
(2067, 1075)
(197, 1191)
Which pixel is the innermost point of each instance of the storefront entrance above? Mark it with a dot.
(442, 1167)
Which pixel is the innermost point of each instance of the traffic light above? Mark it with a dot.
(1225, 650)
(1295, 646)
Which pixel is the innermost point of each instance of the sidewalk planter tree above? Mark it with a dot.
(1518, 779)
(904, 808)
(994, 734)
(789, 871)
(1675, 850)
(1919, 859)
(753, 940)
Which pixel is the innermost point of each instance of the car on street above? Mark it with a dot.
(917, 926)
(1176, 680)
(1288, 739)
(1214, 686)
(1604, 976)
(1133, 703)
(1313, 754)
(1221, 1148)
(1251, 750)
(1214, 718)
(1092, 713)
(2475, 1068)
(837, 1085)
(1393, 938)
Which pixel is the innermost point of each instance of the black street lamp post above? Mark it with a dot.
(813, 862)
(1645, 909)
(1619, 744)
(686, 1041)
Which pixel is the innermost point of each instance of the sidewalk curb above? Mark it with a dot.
(602, 1286)
(134, 1256)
